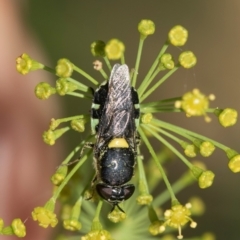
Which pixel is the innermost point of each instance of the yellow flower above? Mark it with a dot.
(114, 49)
(144, 199)
(78, 125)
(146, 27)
(25, 64)
(178, 216)
(49, 137)
(157, 227)
(63, 86)
(64, 68)
(72, 224)
(116, 216)
(59, 175)
(44, 90)
(187, 59)
(193, 103)
(206, 149)
(44, 217)
(178, 36)
(190, 150)
(167, 61)
(205, 180)
(18, 227)
(228, 117)
(97, 235)
(234, 163)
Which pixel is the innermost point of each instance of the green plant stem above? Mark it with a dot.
(167, 144)
(87, 76)
(159, 82)
(139, 53)
(151, 78)
(143, 185)
(107, 63)
(142, 87)
(123, 59)
(105, 76)
(75, 94)
(80, 86)
(184, 132)
(185, 180)
(48, 69)
(68, 177)
(152, 152)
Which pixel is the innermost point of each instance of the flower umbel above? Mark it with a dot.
(83, 182)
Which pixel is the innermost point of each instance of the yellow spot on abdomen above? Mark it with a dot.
(118, 143)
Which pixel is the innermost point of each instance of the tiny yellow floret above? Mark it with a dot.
(117, 216)
(72, 224)
(64, 68)
(234, 163)
(44, 90)
(146, 27)
(118, 143)
(206, 179)
(97, 235)
(25, 64)
(187, 59)
(144, 199)
(18, 227)
(228, 117)
(206, 148)
(114, 49)
(178, 36)
(44, 217)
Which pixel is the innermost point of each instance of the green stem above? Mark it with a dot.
(160, 109)
(155, 63)
(105, 76)
(159, 82)
(161, 102)
(167, 144)
(185, 180)
(152, 152)
(80, 71)
(143, 185)
(69, 176)
(75, 94)
(123, 59)
(80, 86)
(184, 132)
(107, 63)
(149, 81)
(139, 53)
(48, 69)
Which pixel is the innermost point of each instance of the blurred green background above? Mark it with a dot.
(67, 28)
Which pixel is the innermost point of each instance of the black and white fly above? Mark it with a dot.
(115, 115)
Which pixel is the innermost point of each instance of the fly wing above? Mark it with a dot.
(118, 113)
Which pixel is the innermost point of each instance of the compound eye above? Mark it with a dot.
(104, 191)
(128, 191)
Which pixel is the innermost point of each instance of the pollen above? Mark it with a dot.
(118, 143)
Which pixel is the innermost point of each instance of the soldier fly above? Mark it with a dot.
(115, 115)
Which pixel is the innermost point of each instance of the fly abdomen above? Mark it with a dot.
(116, 166)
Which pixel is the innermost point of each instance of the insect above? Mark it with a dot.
(115, 115)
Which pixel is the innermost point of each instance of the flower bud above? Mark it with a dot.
(64, 68)
(146, 27)
(25, 64)
(44, 90)
(98, 48)
(187, 59)
(114, 49)
(178, 36)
